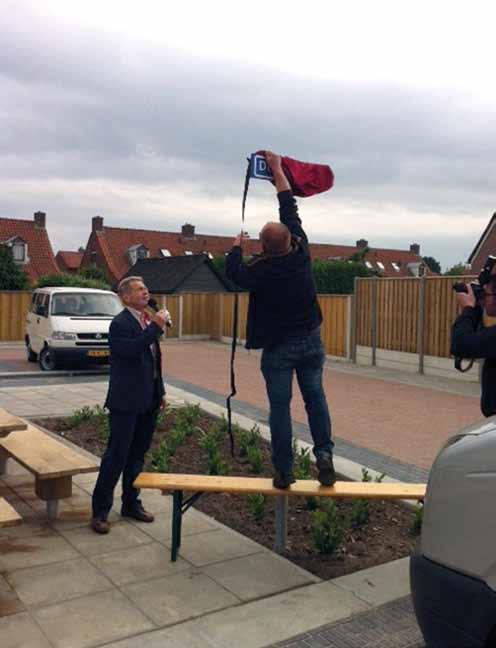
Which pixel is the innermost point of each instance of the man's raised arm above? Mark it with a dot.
(288, 210)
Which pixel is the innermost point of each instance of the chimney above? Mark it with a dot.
(40, 220)
(188, 231)
(415, 248)
(97, 224)
(362, 244)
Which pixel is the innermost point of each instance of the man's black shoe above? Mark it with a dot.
(283, 480)
(327, 474)
(138, 513)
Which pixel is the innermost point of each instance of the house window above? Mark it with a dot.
(380, 265)
(188, 252)
(142, 252)
(395, 266)
(369, 265)
(165, 253)
(19, 252)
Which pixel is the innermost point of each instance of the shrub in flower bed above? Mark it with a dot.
(328, 537)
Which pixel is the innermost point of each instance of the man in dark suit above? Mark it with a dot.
(136, 394)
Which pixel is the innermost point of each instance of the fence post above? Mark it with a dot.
(374, 319)
(180, 327)
(353, 323)
(221, 316)
(421, 324)
(349, 327)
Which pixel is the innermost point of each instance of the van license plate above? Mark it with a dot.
(98, 354)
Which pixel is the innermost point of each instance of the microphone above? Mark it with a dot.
(152, 303)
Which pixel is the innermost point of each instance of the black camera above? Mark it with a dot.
(483, 279)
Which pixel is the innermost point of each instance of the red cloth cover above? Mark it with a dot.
(306, 178)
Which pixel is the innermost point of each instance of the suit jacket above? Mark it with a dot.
(132, 386)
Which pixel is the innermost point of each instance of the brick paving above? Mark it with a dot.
(406, 422)
(385, 418)
(392, 625)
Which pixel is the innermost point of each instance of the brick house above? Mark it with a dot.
(485, 246)
(31, 247)
(69, 261)
(117, 249)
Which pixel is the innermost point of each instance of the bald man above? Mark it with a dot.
(284, 320)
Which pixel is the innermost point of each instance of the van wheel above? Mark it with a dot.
(46, 360)
(32, 356)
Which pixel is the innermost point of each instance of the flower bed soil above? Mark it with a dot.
(386, 536)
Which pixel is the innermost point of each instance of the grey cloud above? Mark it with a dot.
(83, 105)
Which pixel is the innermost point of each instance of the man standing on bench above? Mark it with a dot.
(284, 320)
(136, 394)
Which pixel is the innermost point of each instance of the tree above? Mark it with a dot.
(459, 269)
(11, 276)
(432, 264)
(73, 281)
(338, 277)
(93, 272)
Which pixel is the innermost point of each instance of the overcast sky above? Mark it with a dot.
(144, 113)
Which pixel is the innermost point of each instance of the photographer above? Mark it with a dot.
(471, 340)
(284, 320)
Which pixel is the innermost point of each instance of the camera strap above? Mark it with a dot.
(234, 334)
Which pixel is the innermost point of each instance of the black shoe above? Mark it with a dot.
(327, 474)
(283, 480)
(138, 513)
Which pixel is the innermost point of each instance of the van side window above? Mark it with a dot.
(32, 308)
(42, 305)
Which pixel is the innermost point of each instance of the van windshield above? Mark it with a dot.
(85, 305)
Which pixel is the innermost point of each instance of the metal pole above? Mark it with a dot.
(374, 320)
(421, 325)
(281, 523)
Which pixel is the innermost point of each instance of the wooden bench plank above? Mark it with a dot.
(43, 455)
(307, 487)
(10, 423)
(8, 515)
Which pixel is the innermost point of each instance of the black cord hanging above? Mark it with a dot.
(235, 323)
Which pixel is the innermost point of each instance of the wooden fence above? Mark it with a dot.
(13, 308)
(207, 315)
(402, 314)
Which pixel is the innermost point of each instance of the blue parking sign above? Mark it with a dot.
(259, 167)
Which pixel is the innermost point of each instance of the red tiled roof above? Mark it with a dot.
(39, 249)
(69, 260)
(111, 245)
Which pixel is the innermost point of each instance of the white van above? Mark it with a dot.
(69, 326)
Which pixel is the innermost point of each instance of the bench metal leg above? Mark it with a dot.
(52, 509)
(281, 523)
(180, 507)
(177, 518)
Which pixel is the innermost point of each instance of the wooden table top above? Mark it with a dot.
(10, 423)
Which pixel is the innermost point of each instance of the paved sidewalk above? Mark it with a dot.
(63, 586)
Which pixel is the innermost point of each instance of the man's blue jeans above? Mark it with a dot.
(305, 356)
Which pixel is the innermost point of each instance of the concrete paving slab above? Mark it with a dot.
(380, 584)
(139, 564)
(179, 597)
(27, 549)
(20, 631)
(9, 600)
(91, 620)
(194, 523)
(259, 575)
(216, 546)
(57, 582)
(122, 535)
(256, 624)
